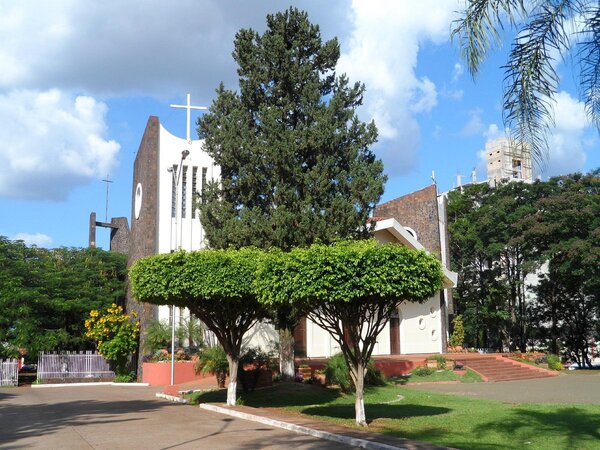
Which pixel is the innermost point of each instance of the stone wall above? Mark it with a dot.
(419, 211)
(119, 235)
(143, 236)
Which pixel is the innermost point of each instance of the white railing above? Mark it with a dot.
(69, 365)
(9, 372)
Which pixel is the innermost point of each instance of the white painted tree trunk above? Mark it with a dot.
(232, 388)
(286, 354)
(359, 404)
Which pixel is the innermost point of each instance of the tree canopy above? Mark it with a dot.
(350, 289)
(296, 166)
(545, 31)
(527, 258)
(215, 285)
(45, 295)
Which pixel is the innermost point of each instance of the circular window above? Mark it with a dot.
(421, 323)
(434, 335)
(138, 200)
(432, 311)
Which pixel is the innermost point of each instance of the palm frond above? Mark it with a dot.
(478, 30)
(530, 78)
(589, 58)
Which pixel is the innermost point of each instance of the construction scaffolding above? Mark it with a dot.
(507, 161)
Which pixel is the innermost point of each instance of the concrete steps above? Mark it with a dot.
(498, 368)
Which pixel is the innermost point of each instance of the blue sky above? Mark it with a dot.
(78, 80)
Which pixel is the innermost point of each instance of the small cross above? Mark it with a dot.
(189, 107)
(107, 181)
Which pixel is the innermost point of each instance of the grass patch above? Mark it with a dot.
(450, 420)
(439, 376)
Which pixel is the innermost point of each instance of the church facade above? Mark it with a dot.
(169, 176)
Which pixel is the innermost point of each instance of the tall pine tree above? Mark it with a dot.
(296, 164)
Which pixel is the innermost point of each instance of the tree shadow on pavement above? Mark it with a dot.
(27, 420)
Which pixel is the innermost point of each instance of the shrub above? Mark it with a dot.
(441, 361)
(374, 376)
(458, 334)
(252, 363)
(554, 362)
(422, 371)
(157, 336)
(115, 333)
(213, 360)
(336, 372)
(125, 378)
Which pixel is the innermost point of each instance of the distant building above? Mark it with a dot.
(507, 161)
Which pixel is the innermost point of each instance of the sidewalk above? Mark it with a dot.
(314, 427)
(276, 417)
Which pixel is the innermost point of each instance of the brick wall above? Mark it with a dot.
(143, 236)
(119, 235)
(419, 211)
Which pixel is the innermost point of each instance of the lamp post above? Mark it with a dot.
(184, 154)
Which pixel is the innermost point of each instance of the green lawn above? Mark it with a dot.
(450, 420)
(435, 377)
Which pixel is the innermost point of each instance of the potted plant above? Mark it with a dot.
(319, 376)
(305, 371)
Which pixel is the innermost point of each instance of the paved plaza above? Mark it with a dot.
(571, 387)
(115, 417)
(108, 417)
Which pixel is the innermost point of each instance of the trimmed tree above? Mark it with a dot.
(350, 289)
(215, 285)
(296, 164)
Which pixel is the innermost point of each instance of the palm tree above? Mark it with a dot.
(546, 30)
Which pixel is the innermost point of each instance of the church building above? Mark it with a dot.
(169, 176)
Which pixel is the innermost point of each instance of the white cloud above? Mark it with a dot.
(51, 143)
(382, 53)
(454, 94)
(165, 49)
(493, 132)
(457, 72)
(475, 125)
(567, 141)
(138, 47)
(426, 99)
(39, 239)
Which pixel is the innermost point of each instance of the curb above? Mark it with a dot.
(100, 383)
(172, 398)
(356, 442)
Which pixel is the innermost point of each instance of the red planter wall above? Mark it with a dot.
(159, 374)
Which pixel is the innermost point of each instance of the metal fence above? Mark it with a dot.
(71, 365)
(9, 372)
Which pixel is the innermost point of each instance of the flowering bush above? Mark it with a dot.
(163, 355)
(116, 334)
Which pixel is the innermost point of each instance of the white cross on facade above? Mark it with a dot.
(188, 107)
